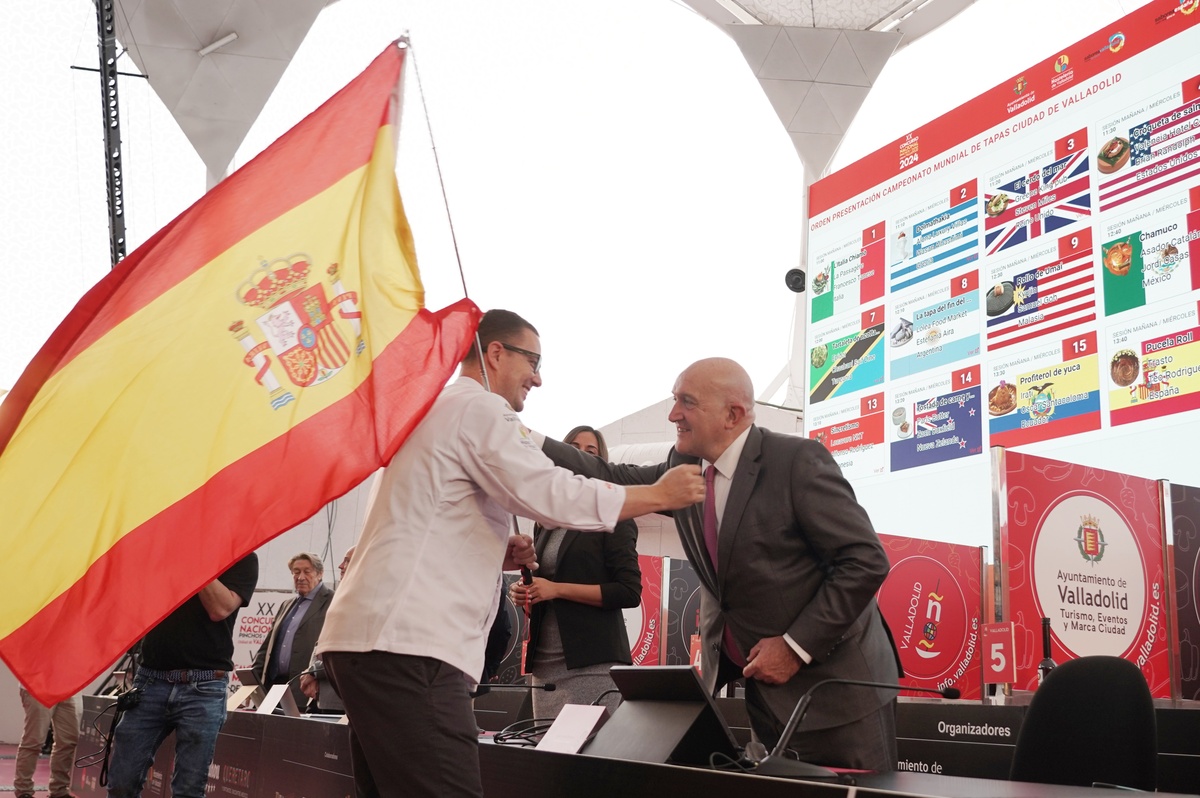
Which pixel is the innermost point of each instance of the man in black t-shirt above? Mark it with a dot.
(182, 686)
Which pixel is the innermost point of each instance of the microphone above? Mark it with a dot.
(549, 687)
(776, 764)
(526, 574)
(527, 580)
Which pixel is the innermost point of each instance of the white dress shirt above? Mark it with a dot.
(426, 574)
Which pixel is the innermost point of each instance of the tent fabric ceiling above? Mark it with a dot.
(216, 97)
(816, 60)
(910, 18)
(847, 14)
(816, 79)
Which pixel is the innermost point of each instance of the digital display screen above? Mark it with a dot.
(1023, 270)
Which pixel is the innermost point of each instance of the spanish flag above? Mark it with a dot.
(258, 357)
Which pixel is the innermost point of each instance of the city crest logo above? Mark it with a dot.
(304, 329)
(1020, 86)
(1090, 539)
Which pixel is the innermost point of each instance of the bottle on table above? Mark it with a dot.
(1047, 663)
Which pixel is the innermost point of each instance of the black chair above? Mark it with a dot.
(1090, 722)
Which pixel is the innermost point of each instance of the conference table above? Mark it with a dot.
(510, 772)
(272, 756)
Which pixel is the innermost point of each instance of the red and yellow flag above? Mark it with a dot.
(259, 356)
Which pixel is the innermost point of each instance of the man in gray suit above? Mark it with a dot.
(288, 648)
(789, 568)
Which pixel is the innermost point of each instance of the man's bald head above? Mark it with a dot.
(727, 379)
(714, 404)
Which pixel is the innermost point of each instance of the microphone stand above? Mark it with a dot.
(780, 766)
(776, 764)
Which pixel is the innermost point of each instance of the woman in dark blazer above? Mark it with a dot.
(576, 629)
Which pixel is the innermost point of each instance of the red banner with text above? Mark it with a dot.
(932, 602)
(643, 623)
(1085, 549)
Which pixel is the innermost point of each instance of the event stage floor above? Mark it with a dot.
(8, 767)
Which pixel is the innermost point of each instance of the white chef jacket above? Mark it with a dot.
(426, 574)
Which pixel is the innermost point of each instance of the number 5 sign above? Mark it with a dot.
(1000, 664)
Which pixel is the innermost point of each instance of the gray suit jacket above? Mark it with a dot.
(302, 644)
(797, 556)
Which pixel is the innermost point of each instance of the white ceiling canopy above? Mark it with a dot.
(816, 60)
(911, 18)
(214, 63)
(214, 83)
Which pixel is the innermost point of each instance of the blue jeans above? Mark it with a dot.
(195, 712)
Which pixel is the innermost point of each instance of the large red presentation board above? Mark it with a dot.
(1084, 548)
(932, 602)
(1024, 268)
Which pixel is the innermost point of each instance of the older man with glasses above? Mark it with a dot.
(287, 650)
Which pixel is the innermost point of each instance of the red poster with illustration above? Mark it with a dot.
(1084, 548)
(643, 623)
(932, 602)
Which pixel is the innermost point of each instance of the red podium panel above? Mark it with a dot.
(1084, 548)
(932, 602)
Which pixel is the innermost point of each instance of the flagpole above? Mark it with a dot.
(404, 43)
